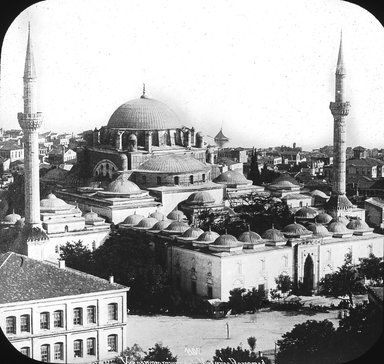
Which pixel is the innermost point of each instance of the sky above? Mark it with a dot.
(261, 70)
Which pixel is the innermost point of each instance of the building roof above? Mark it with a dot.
(10, 145)
(220, 136)
(173, 163)
(364, 162)
(376, 201)
(338, 202)
(26, 279)
(144, 114)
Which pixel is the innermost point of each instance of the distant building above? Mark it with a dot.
(220, 139)
(374, 208)
(61, 154)
(56, 314)
(12, 150)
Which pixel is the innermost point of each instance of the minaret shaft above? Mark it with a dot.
(30, 121)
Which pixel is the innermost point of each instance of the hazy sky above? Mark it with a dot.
(262, 69)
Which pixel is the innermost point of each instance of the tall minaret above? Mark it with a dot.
(30, 121)
(340, 110)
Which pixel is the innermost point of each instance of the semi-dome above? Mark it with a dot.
(231, 178)
(273, 235)
(123, 186)
(12, 218)
(200, 198)
(176, 215)
(295, 229)
(306, 213)
(323, 218)
(208, 236)
(227, 240)
(157, 215)
(341, 219)
(133, 219)
(178, 226)
(318, 230)
(192, 233)
(147, 223)
(161, 225)
(173, 163)
(52, 203)
(144, 114)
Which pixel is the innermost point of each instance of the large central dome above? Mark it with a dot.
(144, 114)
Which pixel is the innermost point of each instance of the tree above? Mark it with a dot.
(228, 355)
(310, 342)
(236, 300)
(252, 343)
(253, 299)
(372, 268)
(254, 173)
(345, 281)
(77, 256)
(284, 283)
(133, 354)
(160, 353)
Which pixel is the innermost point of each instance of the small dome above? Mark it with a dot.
(250, 237)
(54, 203)
(92, 217)
(12, 218)
(273, 235)
(133, 219)
(178, 226)
(318, 230)
(284, 181)
(341, 219)
(147, 222)
(173, 163)
(200, 198)
(177, 215)
(295, 229)
(306, 213)
(161, 225)
(318, 193)
(231, 178)
(121, 185)
(358, 224)
(144, 114)
(157, 215)
(208, 236)
(226, 240)
(323, 218)
(192, 232)
(338, 228)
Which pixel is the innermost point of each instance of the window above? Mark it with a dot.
(58, 318)
(10, 325)
(45, 355)
(91, 346)
(158, 180)
(191, 180)
(78, 316)
(24, 323)
(112, 342)
(26, 350)
(193, 287)
(112, 311)
(177, 180)
(58, 352)
(91, 314)
(210, 292)
(57, 249)
(44, 320)
(78, 348)
(203, 177)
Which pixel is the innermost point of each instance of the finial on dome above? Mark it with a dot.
(143, 95)
(249, 227)
(91, 209)
(273, 225)
(226, 231)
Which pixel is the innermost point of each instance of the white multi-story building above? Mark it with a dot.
(56, 314)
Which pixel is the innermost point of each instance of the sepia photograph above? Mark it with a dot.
(199, 182)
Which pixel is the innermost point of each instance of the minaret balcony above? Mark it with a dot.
(30, 121)
(339, 108)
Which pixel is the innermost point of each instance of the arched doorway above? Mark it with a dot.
(308, 275)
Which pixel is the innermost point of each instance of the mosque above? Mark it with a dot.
(148, 174)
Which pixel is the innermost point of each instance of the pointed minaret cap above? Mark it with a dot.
(29, 69)
(340, 68)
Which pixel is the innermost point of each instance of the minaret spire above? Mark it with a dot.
(340, 68)
(29, 69)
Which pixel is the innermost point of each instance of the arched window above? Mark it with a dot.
(191, 179)
(112, 342)
(58, 352)
(203, 177)
(25, 323)
(45, 353)
(91, 314)
(10, 325)
(78, 348)
(91, 346)
(66, 228)
(44, 320)
(26, 350)
(112, 311)
(78, 316)
(58, 318)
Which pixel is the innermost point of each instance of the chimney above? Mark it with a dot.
(61, 264)
(111, 279)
